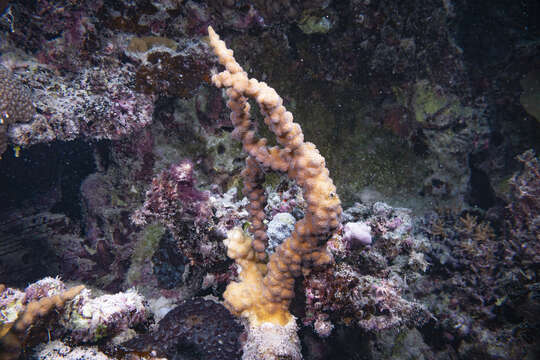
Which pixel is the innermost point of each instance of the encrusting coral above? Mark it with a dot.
(265, 289)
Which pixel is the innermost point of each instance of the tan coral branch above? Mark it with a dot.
(14, 337)
(302, 162)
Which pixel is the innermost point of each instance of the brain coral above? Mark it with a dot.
(15, 104)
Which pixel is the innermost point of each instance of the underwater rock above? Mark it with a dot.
(356, 234)
(57, 350)
(171, 74)
(93, 319)
(195, 327)
(90, 104)
(279, 228)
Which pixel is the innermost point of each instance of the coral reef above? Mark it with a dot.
(145, 43)
(424, 113)
(77, 91)
(159, 74)
(279, 229)
(174, 201)
(102, 256)
(374, 304)
(362, 289)
(486, 276)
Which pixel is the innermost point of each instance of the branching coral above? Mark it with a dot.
(265, 290)
(37, 305)
(47, 309)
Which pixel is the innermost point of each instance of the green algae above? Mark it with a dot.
(311, 24)
(144, 250)
(359, 152)
(427, 103)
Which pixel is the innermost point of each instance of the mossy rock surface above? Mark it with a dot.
(530, 97)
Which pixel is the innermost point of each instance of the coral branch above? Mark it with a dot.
(264, 292)
(36, 305)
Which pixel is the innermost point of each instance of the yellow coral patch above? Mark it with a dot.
(245, 298)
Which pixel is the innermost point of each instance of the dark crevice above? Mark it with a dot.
(481, 192)
(59, 167)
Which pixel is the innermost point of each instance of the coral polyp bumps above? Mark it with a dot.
(265, 289)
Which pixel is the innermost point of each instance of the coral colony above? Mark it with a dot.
(265, 290)
(158, 202)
